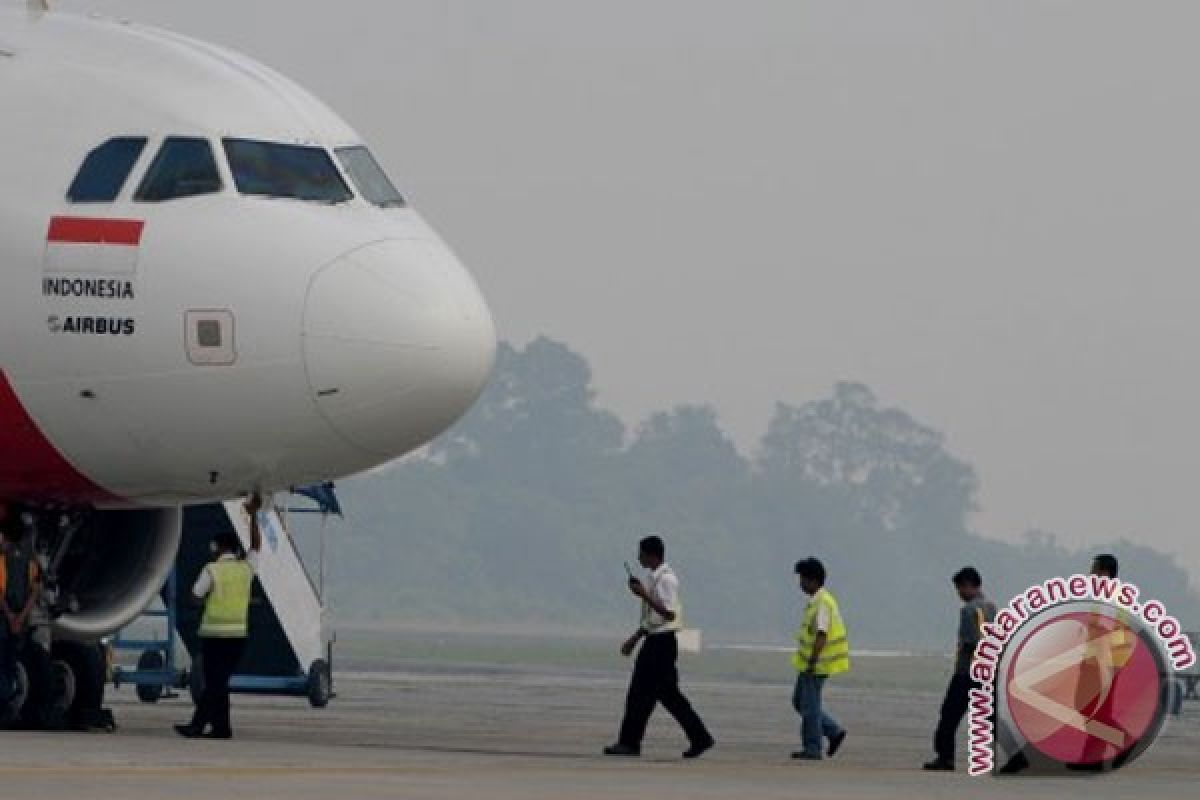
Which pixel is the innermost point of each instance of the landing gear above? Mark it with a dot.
(17, 691)
(59, 690)
(96, 570)
(60, 682)
(30, 706)
(83, 665)
(62, 694)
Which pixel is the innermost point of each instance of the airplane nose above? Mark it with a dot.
(398, 343)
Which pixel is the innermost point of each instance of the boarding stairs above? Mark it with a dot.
(290, 648)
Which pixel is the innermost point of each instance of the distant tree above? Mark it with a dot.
(524, 511)
(897, 471)
(687, 447)
(536, 420)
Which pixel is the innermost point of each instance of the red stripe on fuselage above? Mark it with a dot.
(31, 468)
(83, 230)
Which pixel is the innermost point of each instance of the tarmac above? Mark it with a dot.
(530, 733)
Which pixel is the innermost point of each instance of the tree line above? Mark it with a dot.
(525, 510)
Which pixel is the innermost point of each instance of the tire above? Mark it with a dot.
(63, 691)
(87, 665)
(152, 660)
(20, 690)
(320, 684)
(36, 711)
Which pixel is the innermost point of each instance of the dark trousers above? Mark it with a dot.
(220, 657)
(954, 708)
(656, 680)
(10, 653)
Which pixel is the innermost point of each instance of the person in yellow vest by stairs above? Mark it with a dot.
(822, 650)
(224, 588)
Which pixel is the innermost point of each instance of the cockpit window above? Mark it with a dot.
(183, 167)
(270, 169)
(369, 178)
(105, 170)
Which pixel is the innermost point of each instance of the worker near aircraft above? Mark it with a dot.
(976, 612)
(1112, 641)
(1112, 650)
(224, 588)
(20, 587)
(655, 673)
(822, 651)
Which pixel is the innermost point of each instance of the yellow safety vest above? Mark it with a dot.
(227, 607)
(834, 657)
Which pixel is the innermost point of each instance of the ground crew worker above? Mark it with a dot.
(20, 588)
(1104, 565)
(1108, 632)
(655, 675)
(823, 649)
(224, 587)
(977, 611)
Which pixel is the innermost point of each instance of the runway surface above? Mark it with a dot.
(471, 731)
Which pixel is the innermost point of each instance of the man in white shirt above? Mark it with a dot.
(655, 675)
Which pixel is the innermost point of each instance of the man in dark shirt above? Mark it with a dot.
(977, 610)
(20, 586)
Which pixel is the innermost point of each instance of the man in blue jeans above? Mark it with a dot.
(822, 650)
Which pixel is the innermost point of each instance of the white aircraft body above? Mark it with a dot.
(207, 287)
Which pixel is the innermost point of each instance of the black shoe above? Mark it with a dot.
(699, 748)
(622, 750)
(217, 735)
(800, 755)
(188, 731)
(938, 765)
(1016, 764)
(835, 743)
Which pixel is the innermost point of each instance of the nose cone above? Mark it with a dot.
(398, 343)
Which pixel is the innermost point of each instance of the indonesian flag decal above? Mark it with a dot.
(89, 244)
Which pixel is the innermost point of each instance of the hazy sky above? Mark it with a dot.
(987, 211)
